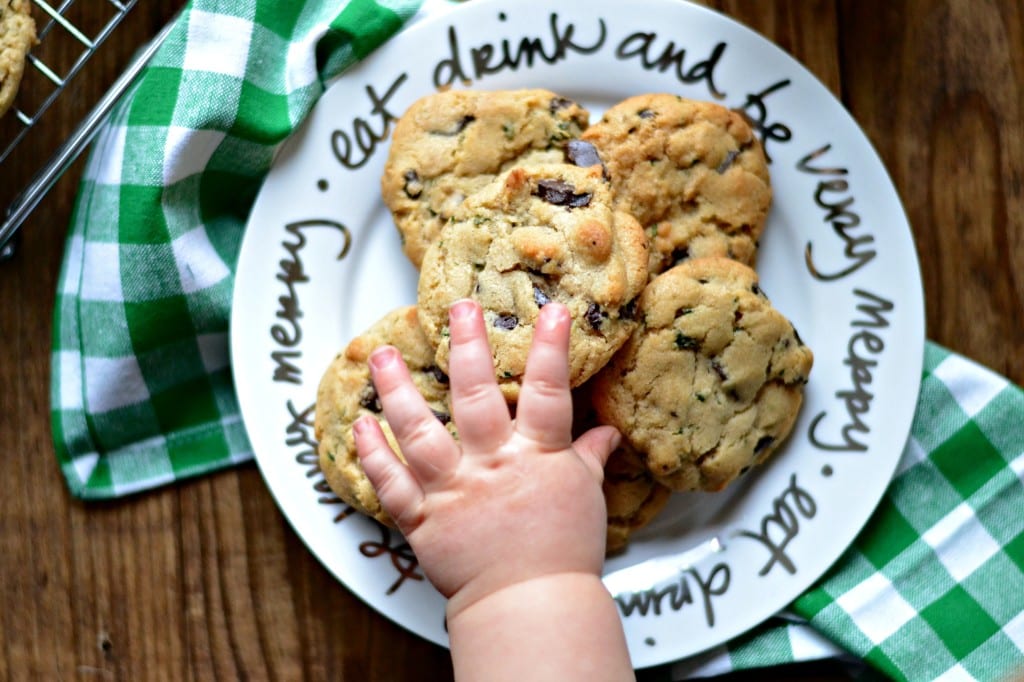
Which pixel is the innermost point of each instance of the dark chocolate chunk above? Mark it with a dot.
(762, 443)
(719, 370)
(595, 316)
(369, 398)
(561, 193)
(539, 297)
(507, 322)
(582, 154)
(628, 311)
(438, 374)
(559, 103)
(442, 417)
(413, 186)
(646, 113)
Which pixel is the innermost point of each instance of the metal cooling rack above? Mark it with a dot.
(57, 25)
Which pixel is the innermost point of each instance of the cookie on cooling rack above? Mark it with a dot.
(450, 144)
(536, 234)
(693, 173)
(346, 393)
(17, 36)
(711, 381)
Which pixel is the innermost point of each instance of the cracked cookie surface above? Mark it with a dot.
(346, 392)
(692, 173)
(450, 144)
(537, 234)
(711, 381)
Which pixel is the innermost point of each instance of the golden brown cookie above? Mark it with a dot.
(450, 144)
(346, 393)
(711, 381)
(632, 496)
(693, 173)
(536, 234)
(17, 36)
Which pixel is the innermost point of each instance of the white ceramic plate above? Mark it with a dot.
(321, 261)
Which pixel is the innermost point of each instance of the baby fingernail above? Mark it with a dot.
(385, 356)
(614, 439)
(359, 427)
(461, 310)
(552, 315)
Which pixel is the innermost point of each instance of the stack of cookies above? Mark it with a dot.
(646, 226)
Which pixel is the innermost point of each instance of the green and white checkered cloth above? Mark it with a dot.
(142, 392)
(141, 388)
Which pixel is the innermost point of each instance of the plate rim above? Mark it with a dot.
(430, 23)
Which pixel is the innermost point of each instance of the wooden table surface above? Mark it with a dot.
(206, 580)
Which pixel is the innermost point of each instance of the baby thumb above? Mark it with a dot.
(596, 445)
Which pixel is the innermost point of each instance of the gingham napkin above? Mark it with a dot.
(141, 387)
(142, 392)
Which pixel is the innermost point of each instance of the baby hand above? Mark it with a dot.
(510, 500)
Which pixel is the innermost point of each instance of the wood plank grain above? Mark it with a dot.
(942, 104)
(345, 639)
(806, 29)
(69, 573)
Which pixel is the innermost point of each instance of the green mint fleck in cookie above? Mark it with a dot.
(684, 342)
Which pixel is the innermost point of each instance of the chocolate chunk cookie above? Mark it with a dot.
(632, 496)
(711, 381)
(346, 392)
(693, 173)
(537, 234)
(450, 144)
(17, 36)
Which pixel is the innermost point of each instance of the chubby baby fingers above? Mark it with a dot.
(426, 445)
(480, 411)
(396, 487)
(544, 413)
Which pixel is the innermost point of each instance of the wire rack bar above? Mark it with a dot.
(46, 71)
(73, 146)
(59, 18)
(91, 45)
(46, 175)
